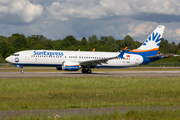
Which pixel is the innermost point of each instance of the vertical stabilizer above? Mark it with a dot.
(153, 41)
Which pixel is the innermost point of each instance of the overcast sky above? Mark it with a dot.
(55, 19)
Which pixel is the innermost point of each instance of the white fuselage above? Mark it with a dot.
(56, 57)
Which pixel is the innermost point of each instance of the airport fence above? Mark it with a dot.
(162, 64)
(6, 64)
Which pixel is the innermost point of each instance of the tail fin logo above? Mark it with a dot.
(155, 37)
(153, 41)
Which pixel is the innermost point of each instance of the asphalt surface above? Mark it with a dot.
(79, 112)
(94, 74)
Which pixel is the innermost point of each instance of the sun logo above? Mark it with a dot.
(155, 38)
(16, 60)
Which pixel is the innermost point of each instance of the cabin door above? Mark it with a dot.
(137, 60)
(27, 56)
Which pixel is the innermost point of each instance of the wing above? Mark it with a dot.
(100, 61)
(97, 61)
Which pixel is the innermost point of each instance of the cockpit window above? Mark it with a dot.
(15, 54)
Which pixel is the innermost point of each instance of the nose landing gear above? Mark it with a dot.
(22, 71)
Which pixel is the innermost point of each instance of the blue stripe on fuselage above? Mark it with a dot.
(44, 65)
(59, 65)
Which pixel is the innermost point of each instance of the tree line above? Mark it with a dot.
(18, 42)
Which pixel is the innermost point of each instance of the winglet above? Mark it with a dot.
(122, 53)
(125, 48)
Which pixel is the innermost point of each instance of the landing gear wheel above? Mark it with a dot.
(83, 70)
(22, 71)
(88, 71)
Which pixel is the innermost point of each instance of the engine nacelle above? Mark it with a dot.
(70, 66)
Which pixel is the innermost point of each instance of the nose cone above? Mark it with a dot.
(9, 59)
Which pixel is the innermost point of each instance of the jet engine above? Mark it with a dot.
(70, 66)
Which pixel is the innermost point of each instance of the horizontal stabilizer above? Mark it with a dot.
(156, 56)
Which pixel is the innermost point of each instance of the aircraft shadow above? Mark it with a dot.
(92, 73)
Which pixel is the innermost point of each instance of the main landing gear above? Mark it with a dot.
(88, 71)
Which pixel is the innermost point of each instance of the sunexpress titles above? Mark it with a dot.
(48, 53)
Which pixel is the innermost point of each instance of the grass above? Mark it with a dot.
(88, 92)
(131, 115)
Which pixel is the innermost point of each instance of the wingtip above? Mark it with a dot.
(125, 47)
(122, 53)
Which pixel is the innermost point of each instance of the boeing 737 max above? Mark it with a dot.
(75, 60)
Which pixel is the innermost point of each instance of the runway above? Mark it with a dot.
(94, 74)
(80, 112)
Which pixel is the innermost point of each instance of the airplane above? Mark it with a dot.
(86, 60)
